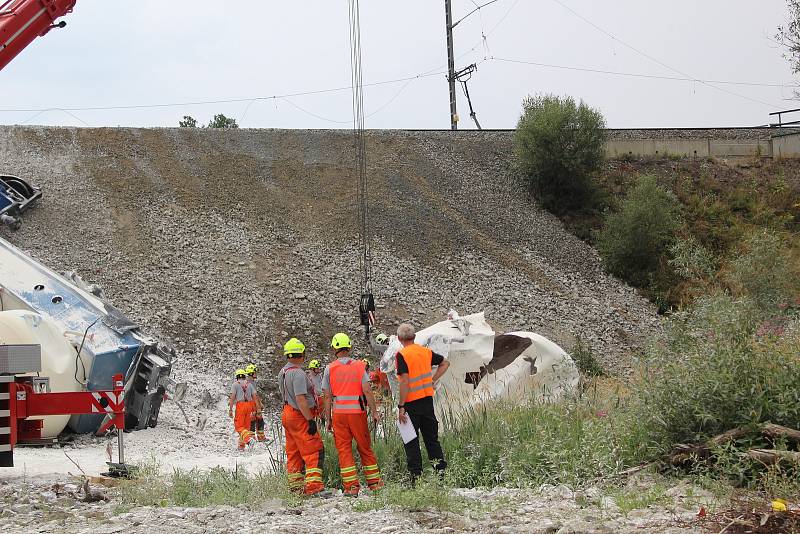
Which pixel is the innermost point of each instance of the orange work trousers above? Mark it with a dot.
(241, 421)
(346, 428)
(304, 454)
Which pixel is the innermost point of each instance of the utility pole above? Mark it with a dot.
(451, 65)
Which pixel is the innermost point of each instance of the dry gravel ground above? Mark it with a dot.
(226, 243)
(553, 510)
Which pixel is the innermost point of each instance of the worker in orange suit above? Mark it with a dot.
(244, 397)
(305, 453)
(346, 390)
(257, 423)
(380, 381)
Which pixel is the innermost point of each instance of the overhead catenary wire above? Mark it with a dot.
(350, 121)
(477, 8)
(407, 80)
(638, 74)
(656, 60)
(220, 100)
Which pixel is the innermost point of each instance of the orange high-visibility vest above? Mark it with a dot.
(420, 371)
(345, 380)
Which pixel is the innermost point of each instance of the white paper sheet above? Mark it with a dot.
(406, 429)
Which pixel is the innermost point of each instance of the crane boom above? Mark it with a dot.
(22, 21)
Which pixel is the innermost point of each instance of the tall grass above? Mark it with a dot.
(584, 438)
(716, 368)
(196, 487)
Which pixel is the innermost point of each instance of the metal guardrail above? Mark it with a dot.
(781, 123)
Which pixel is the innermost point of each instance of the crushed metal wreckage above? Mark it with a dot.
(486, 366)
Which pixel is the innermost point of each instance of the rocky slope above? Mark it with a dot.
(228, 242)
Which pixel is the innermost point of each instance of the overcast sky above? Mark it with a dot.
(121, 53)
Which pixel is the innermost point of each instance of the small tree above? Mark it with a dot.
(560, 144)
(188, 122)
(789, 35)
(635, 240)
(221, 121)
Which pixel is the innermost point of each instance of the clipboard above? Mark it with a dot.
(407, 431)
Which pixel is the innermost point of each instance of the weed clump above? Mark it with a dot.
(585, 360)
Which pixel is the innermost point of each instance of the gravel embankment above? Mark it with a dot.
(228, 242)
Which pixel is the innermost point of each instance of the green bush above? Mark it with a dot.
(560, 144)
(691, 260)
(634, 241)
(764, 271)
(715, 373)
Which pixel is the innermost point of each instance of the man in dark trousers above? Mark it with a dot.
(417, 379)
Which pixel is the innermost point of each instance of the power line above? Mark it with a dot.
(503, 18)
(656, 60)
(638, 75)
(67, 112)
(477, 8)
(217, 101)
(371, 114)
(408, 80)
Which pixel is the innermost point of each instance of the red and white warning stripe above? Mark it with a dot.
(114, 401)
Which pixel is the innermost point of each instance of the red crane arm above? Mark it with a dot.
(22, 21)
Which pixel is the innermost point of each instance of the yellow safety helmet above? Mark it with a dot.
(314, 364)
(240, 373)
(293, 346)
(251, 369)
(341, 341)
(382, 339)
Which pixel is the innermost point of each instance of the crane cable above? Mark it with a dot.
(367, 303)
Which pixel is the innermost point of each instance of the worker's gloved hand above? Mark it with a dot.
(312, 427)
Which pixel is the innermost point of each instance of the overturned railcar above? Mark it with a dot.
(84, 341)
